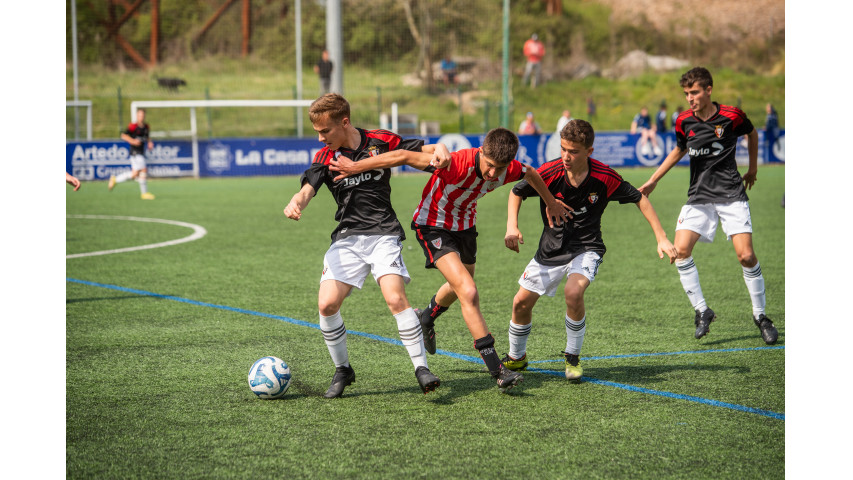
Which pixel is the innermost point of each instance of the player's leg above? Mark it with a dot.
(343, 269)
(695, 223)
(736, 222)
(581, 272)
(519, 328)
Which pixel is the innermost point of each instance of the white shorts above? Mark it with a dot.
(544, 279)
(137, 162)
(702, 219)
(349, 260)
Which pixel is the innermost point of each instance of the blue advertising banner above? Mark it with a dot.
(291, 156)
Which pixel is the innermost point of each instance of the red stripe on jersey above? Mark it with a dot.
(551, 170)
(391, 138)
(735, 114)
(324, 156)
(607, 175)
(681, 117)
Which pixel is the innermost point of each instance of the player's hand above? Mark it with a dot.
(513, 238)
(344, 166)
(665, 247)
(558, 213)
(73, 181)
(749, 179)
(441, 157)
(647, 188)
(293, 211)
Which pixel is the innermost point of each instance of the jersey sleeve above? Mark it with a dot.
(317, 172)
(456, 171)
(743, 125)
(626, 193)
(515, 171)
(412, 144)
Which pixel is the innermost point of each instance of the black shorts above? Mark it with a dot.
(438, 242)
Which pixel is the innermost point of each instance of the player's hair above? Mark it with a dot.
(331, 104)
(500, 145)
(697, 75)
(578, 131)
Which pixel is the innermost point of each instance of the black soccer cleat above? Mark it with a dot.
(703, 322)
(344, 376)
(428, 327)
(768, 330)
(426, 379)
(508, 379)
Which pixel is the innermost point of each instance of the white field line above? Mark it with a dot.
(198, 232)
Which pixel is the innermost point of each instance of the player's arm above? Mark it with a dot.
(674, 157)
(665, 247)
(345, 167)
(441, 155)
(300, 200)
(513, 235)
(752, 148)
(555, 210)
(72, 180)
(127, 138)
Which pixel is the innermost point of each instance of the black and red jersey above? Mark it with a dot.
(582, 233)
(138, 132)
(364, 200)
(711, 145)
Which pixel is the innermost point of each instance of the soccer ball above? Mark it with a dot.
(269, 378)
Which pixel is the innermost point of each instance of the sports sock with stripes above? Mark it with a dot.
(689, 276)
(518, 339)
(412, 337)
(335, 336)
(575, 332)
(755, 285)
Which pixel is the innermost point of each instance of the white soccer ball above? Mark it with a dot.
(269, 378)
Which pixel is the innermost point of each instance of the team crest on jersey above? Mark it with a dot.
(593, 197)
(436, 243)
(373, 150)
(718, 131)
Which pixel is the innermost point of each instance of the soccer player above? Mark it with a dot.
(136, 134)
(368, 238)
(574, 250)
(445, 226)
(708, 132)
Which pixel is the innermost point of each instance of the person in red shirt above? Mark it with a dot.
(534, 50)
(445, 226)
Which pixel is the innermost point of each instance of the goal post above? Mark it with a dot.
(192, 105)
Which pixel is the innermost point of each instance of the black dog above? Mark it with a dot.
(171, 84)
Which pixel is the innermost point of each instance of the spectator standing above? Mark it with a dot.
(661, 118)
(590, 108)
(529, 126)
(323, 69)
(534, 50)
(675, 115)
(448, 72)
(563, 120)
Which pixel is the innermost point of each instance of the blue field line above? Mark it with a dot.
(467, 358)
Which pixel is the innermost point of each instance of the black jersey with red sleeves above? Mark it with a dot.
(138, 132)
(711, 145)
(364, 200)
(582, 233)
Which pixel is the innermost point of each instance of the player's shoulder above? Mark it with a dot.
(324, 156)
(603, 171)
(381, 134)
(732, 112)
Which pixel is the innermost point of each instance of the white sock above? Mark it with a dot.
(124, 176)
(412, 336)
(574, 335)
(690, 281)
(335, 335)
(755, 285)
(142, 180)
(518, 339)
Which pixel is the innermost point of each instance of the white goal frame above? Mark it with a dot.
(193, 104)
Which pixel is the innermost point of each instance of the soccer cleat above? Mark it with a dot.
(515, 364)
(768, 330)
(428, 327)
(703, 322)
(112, 183)
(573, 367)
(508, 379)
(343, 376)
(147, 196)
(426, 379)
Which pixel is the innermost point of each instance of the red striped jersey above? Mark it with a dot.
(449, 199)
(364, 200)
(582, 233)
(711, 145)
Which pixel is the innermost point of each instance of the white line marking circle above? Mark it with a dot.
(198, 232)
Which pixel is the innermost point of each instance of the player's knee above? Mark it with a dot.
(467, 293)
(396, 301)
(574, 295)
(747, 259)
(521, 305)
(328, 306)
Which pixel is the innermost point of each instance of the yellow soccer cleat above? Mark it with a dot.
(147, 196)
(112, 183)
(573, 369)
(515, 364)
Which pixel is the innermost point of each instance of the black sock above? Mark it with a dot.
(435, 309)
(486, 347)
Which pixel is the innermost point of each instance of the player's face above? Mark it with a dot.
(490, 169)
(330, 132)
(697, 97)
(573, 153)
(140, 116)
